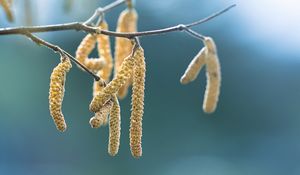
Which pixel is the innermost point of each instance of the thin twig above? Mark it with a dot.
(105, 9)
(194, 34)
(56, 48)
(85, 26)
(81, 26)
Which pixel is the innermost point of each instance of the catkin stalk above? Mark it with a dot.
(56, 93)
(137, 109)
(127, 22)
(114, 128)
(194, 67)
(213, 74)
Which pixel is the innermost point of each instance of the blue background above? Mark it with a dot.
(255, 129)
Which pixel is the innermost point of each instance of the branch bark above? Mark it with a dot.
(87, 26)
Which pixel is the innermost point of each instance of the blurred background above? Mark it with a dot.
(255, 129)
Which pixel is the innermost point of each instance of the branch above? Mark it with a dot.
(86, 26)
(78, 26)
(99, 11)
(55, 48)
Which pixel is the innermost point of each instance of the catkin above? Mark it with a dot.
(127, 22)
(56, 93)
(95, 64)
(114, 128)
(137, 109)
(194, 67)
(101, 117)
(113, 86)
(104, 50)
(84, 49)
(7, 8)
(213, 74)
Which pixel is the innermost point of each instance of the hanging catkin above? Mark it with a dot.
(7, 8)
(127, 22)
(114, 127)
(213, 74)
(137, 109)
(194, 67)
(104, 50)
(101, 117)
(84, 49)
(56, 92)
(113, 86)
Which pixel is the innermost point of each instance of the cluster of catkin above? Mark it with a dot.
(132, 66)
(129, 69)
(6, 5)
(207, 56)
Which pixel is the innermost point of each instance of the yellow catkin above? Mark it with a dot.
(113, 86)
(127, 22)
(101, 117)
(114, 128)
(137, 109)
(194, 67)
(104, 50)
(213, 74)
(56, 93)
(7, 8)
(84, 49)
(94, 64)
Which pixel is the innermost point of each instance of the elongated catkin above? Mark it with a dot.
(213, 74)
(84, 49)
(104, 50)
(137, 109)
(194, 67)
(101, 117)
(7, 8)
(123, 75)
(127, 22)
(114, 127)
(113, 86)
(56, 93)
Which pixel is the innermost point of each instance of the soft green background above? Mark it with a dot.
(255, 129)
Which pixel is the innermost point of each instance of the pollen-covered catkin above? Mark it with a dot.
(104, 50)
(137, 110)
(113, 86)
(7, 8)
(127, 22)
(84, 49)
(56, 92)
(114, 127)
(101, 117)
(124, 74)
(213, 74)
(95, 64)
(194, 67)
